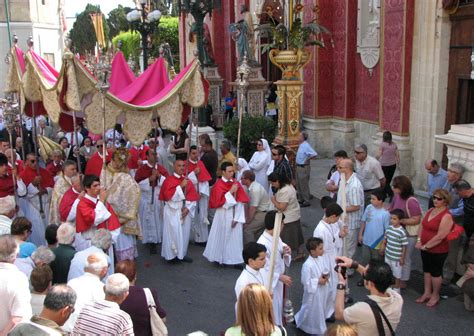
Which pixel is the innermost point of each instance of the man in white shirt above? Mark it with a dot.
(89, 287)
(7, 212)
(369, 171)
(14, 287)
(258, 206)
(377, 279)
(41, 256)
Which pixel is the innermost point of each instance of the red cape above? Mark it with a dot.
(54, 170)
(94, 165)
(6, 186)
(145, 172)
(169, 188)
(86, 214)
(19, 167)
(66, 203)
(220, 188)
(204, 175)
(28, 175)
(135, 155)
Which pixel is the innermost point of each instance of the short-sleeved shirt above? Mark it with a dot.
(414, 207)
(389, 153)
(369, 172)
(396, 239)
(376, 222)
(258, 197)
(287, 194)
(354, 197)
(437, 180)
(360, 314)
(305, 152)
(15, 294)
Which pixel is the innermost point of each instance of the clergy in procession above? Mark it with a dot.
(56, 165)
(93, 212)
(282, 260)
(225, 242)
(180, 199)
(150, 178)
(137, 154)
(39, 188)
(200, 177)
(6, 180)
(95, 163)
(123, 194)
(70, 200)
(62, 184)
(11, 154)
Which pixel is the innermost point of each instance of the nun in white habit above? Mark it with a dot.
(242, 166)
(260, 162)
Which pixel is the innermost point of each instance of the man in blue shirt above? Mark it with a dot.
(437, 178)
(304, 154)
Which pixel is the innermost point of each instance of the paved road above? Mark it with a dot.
(200, 296)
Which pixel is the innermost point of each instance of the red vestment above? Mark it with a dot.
(94, 165)
(220, 188)
(19, 167)
(85, 216)
(66, 203)
(28, 175)
(6, 186)
(169, 188)
(135, 155)
(203, 175)
(54, 169)
(145, 172)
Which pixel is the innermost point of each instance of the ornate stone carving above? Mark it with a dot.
(368, 32)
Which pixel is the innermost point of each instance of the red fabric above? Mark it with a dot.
(19, 167)
(430, 229)
(94, 165)
(38, 106)
(145, 172)
(204, 175)
(86, 215)
(66, 203)
(220, 188)
(54, 169)
(135, 155)
(66, 122)
(121, 76)
(169, 188)
(6, 186)
(28, 175)
(20, 57)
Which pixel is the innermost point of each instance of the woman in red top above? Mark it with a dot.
(434, 246)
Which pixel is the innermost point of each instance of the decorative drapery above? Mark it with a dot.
(131, 101)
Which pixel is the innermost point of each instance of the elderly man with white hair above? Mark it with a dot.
(42, 256)
(89, 287)
(101, 242)
(64, 253)
(7, 212)
(14, 288)
(369, 171)
(104, 317)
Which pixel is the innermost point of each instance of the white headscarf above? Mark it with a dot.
(243, 166)
(267, 149)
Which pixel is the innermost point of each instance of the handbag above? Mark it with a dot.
(158, 327)
(412, 230)
(455, 233)
(378, 314)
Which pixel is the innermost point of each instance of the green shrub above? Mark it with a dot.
(253, 128)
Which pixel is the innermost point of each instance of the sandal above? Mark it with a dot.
(422, 299)
(431, 304)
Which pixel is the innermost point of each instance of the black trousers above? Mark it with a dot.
(388, 171)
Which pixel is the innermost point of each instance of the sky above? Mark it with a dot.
(74, 7)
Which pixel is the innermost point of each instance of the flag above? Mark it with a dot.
(98, 23)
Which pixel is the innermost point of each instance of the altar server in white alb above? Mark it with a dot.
(150, 177)
(314, 277)
(328, 231)
(180, 199)
(254, 255)
(282, 259)
(200, 177)
(225, 242)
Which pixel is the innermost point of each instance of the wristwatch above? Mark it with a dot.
(341, 286)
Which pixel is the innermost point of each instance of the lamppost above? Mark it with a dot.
(143, 20)
(199, 9)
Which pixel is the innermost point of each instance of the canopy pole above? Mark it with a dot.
(36, 153)
(7, 15)
(276, 239)
(76, 138)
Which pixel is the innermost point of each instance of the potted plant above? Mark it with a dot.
(286, 46)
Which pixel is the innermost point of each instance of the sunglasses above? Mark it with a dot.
(356, 152)
(32, 161)
(274, 154)
(437, 198)
(100, 146)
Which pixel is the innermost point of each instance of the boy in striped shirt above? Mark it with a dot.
(395, 245)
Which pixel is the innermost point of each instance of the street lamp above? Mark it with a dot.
(143, 20)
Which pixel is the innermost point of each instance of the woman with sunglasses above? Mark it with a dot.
(405, 200)
(434, 246)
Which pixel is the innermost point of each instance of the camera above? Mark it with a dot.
(339, 267)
